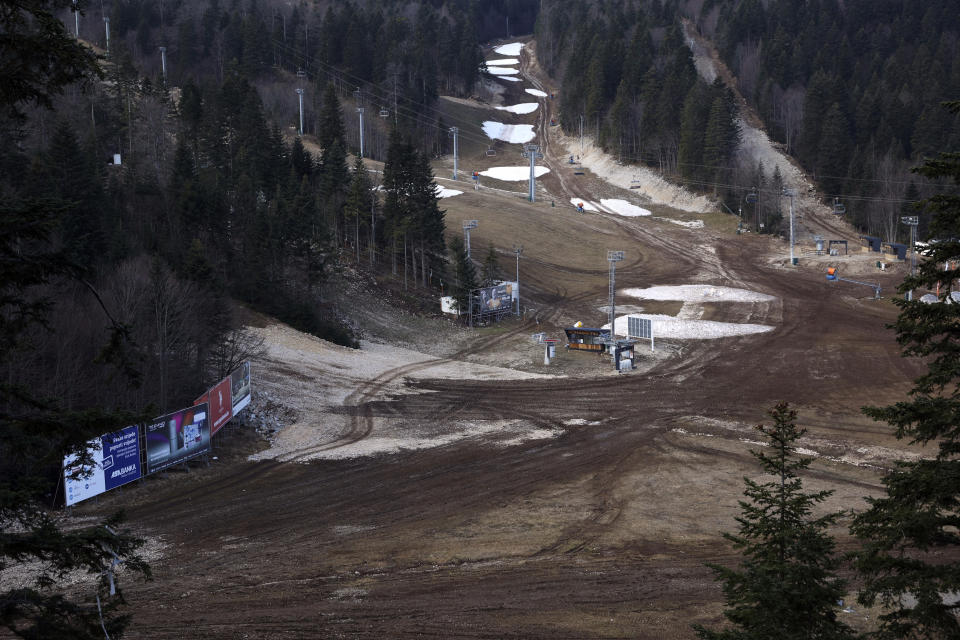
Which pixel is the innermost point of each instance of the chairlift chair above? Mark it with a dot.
(491, 151)
(838, 207)
(384, 113)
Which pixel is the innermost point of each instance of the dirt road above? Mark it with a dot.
(595, 527)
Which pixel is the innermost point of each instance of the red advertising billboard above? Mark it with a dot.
(220, 401)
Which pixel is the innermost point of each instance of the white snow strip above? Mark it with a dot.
(537, 92)
(587, 205)
(502, 62)
(508, 79)
(522, 108)
(513, 174)
(689, 224)
(502, 71)
(671, 327)
(698, 293)
(443, 192)
(624, 208)
(516, 133)
(512, 49)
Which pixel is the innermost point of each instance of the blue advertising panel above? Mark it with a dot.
(116, 461)
(176, 437)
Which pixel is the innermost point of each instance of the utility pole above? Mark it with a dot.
(581, 137)
(613, 257)
(358, 94)
(912, 222)
(455, 131)
(300, 76)
(163, 63)
(467, 225)
(792, 193)
(532, 151)
(518, 250)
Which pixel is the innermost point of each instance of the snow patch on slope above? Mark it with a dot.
(513, 174)
(516, 133)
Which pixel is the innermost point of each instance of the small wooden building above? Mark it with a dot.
(587, 339)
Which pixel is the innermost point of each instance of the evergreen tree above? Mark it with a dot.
(786, 586)
(465, 275)
(358, 201)
(834, 151)
(38, 59)
(331, 120)
(910, 536)
(491, 273)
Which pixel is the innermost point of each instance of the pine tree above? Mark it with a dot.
(834, 151)
(786, 586)
(39, 59)
(465, 275)
(491, 273)
(331, 120)
(910, 536)
(357, 203)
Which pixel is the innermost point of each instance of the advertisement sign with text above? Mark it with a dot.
(176, 437)
(240, 387)
(221, 405)
(498, 298)
(116, 461)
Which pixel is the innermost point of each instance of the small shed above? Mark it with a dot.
(900, 250)
(872, 243)
(587, 339)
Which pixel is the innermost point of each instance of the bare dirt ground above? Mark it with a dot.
(444, 483)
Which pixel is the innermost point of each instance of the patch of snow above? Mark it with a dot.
(512, 49)
(624, 208)
(587, 205)
(501, 62)
(503, 71)
(522, 108)
(513, 174)
(443, 192)
(689, 224)
(698, 293)
(516, 133)
(508, 79)
(671, 327)
(537, 92)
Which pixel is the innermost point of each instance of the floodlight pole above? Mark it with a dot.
(518, 250)
(467, 225)
(613, 257)
(912, 222)
(792, 193)
(581, 137)
(163, 64)
(360, 111)
(300, 76)
(455, 131)
(532, 151)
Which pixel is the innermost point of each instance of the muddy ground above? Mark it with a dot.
(444, 483)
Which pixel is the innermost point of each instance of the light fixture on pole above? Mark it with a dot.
(518, 250)
(613, 257)
(912, 222)
(467, 225)
(792, 194)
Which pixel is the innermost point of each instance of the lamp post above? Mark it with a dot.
(518, 250)
(792, 193)
(912, 222)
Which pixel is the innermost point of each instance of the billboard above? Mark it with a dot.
(221, 405)
(116, 461)
(240, 387)
(497, 298)
(176, 437)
